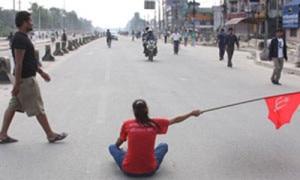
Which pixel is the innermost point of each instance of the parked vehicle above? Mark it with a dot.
(114, 35)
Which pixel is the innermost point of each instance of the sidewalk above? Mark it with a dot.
(289, 66)
(4, 44)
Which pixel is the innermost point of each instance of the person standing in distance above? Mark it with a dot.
(26, 96)
(142, 158)
(277, 54)
(221, 44)
(64, 37)
(230, 40)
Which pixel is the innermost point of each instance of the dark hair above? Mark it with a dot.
(21, 17)
(230, 29)
(279, 30)
(140, 110)
(222, 30)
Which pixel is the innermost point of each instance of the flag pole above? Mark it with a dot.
(244, 102)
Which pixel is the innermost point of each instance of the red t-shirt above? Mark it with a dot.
(140, 156)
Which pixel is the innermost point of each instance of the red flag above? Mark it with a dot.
(282, 108)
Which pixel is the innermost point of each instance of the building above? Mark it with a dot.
(290, 20)
(173, 15)
(218, 18)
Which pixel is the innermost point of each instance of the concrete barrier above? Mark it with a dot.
(70, 45)
(74, 44)
(58, 51)
(77, 43)
(5, 69)
(80, 42)
(48, 56)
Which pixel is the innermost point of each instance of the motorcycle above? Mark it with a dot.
(151, 49)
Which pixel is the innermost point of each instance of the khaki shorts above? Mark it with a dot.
(29, 99)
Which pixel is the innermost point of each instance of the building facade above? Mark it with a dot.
(291, 20)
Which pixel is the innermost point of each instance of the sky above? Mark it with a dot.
(102, 13)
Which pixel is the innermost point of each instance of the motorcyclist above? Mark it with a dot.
(151, 36)
(144, 39)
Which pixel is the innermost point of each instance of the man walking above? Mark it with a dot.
(26, 95)
(277, 52)
(229, 45)
(176, 37)
(221, 43)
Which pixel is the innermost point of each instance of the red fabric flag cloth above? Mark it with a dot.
(282, 108)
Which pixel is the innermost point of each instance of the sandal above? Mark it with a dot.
(58, 137)
(8, 140)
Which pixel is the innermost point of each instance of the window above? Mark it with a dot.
(293, 32)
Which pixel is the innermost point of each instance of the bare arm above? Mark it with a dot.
(19, 56)
(119, 142)
(181, 118)
(44, 75)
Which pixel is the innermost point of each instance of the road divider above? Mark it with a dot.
(48, 56)
(5, 69)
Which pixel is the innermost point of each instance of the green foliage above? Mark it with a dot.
(46, 19)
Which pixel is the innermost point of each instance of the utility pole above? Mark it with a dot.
(224, 12)
(19, 5)
(266, 24)
(159, 20)
(39, 19)
(194, 4)
(14, 5)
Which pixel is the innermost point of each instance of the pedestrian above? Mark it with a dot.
(176, 37)
(221, 44)
(193, 36)
(185, 37)
(230, 40)
(141, 158)
(144, 39)
(26, 95)
(10, 38)
(64, 37)
(277, 54)
(166, 36)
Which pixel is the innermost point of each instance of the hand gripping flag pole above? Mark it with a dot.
(281, 107)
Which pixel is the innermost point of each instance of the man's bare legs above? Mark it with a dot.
(43, 120)
(7, 119)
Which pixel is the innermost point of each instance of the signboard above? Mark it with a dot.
(172, 2)
(149, 4)
(290, 17)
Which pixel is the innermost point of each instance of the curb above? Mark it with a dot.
(268, 64)
(6, 47)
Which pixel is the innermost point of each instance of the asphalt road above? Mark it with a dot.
(91, 93)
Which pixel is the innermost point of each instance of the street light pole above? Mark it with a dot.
(194, 4)
(194, 13)
(14, 5)
(159, 20)
(266, 24)
(39, 19)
